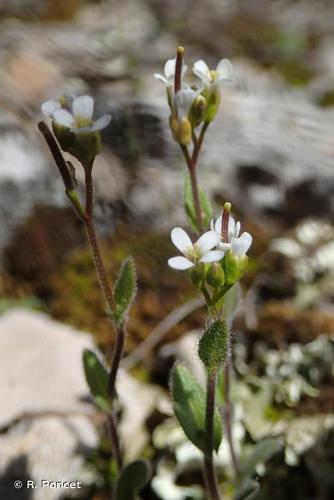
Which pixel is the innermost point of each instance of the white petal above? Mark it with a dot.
(212, 225)
(225, 70)
(202, 70)
(212, 256)
(184, 69)
(49, 107)
(83, 107)
(237, 229)
(231, 227)
(180, 263)
(224, 247)
(101, 123)
(64, 117)
(183, 101)
(161, 78)
(181, 240)
(239, 246)
(207, 241)
(169, 69)
(218, 225)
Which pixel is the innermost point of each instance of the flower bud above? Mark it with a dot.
(197, 111)
(213, 102)
(184, 132)
(232, 268)
(174, 127)
(215, 276)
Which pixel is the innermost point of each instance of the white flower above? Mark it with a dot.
(223, 72)
(169, 71)
(238, 245)
(183, 101)
(80, 118)
(201, 251)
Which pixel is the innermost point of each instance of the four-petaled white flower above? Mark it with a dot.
(80, 118)
(169, 70)
(183, 101)
(194, 253)
(223, 72)
(238, 245)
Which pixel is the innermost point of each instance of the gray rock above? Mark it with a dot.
(40, 368)
(43, 396)
(49, 448)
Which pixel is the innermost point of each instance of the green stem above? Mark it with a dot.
(191, 162)
(209, 469)
(228, 413)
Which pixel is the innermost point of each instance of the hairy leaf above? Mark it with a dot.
(124, 290)
(97, 379)
(189, 407)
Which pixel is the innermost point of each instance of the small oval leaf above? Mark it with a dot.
(97, 379)
(124, 290)
(132, 479)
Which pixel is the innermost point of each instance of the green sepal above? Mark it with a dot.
(124, 291)
(132, 479)
(84, 146)
(97, 379)
(190, 207)
(189, 407)
(213, 345)
(197, 275)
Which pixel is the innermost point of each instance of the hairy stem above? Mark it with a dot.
(209, 470)
(108, 297)
(228, 413)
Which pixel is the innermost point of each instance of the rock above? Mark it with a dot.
(43, 395)
(139, 401)
(47, 375)
(49, 448)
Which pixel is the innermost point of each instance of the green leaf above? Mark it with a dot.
(132, 479)
(213, 345)
(190, 207)
(247, 490)
(189, 407)
(97, 379)
(124, 290)
(260, 453)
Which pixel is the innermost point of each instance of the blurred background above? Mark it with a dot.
(270, 152)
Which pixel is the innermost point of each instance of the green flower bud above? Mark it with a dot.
(232, 268)
(197, 111)
(215, 276)
(213, 102)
